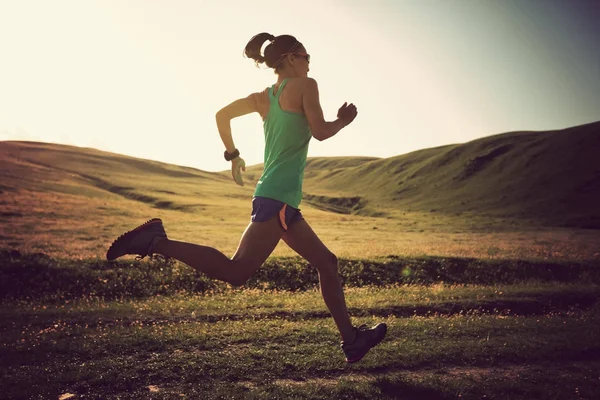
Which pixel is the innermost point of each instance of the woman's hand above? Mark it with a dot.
(347, 113)
(238, 164)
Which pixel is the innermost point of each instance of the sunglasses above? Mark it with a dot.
(306, 56)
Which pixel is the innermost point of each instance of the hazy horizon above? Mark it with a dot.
(145, 79)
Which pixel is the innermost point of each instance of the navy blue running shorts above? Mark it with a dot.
(263, 209)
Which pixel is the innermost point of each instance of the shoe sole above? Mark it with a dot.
(353, 360)
(124, 238)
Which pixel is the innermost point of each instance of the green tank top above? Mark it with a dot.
(287, 135)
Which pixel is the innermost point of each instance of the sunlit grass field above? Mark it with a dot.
(72, 202)
(253, 343)
(479, 305)
(71, 226)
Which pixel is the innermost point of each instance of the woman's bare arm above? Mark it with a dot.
(236, 109)
(320, 128)
(224, 116)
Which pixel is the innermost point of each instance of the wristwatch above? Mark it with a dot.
(231, 156)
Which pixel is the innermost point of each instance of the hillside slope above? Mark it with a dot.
(73, 202)
(94, 173)
(551, 176)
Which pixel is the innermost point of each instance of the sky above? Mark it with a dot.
(145, 78)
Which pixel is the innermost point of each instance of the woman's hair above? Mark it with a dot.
(273, 53)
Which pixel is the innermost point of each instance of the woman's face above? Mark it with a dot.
(300, 61)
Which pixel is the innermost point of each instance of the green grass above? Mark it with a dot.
(245, 343)
(479, 256)
(42, 278)
(72, 202)
(544, 177)
(518, 331)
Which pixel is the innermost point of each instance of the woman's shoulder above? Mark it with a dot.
(299, 85)
(261, 96)
(302, 81)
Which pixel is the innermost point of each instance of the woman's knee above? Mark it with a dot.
(328, 265)
(237, 280)
(240, 272)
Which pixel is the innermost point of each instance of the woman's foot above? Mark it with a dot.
(365, 340)
(139, 241)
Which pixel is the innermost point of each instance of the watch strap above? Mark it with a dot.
(231, 156)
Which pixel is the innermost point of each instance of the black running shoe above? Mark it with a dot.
(138, 241)
(365, 340)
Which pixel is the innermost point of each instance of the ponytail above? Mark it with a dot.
(273, 53)
(253, 47)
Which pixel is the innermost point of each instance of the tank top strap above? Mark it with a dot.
(272, 94)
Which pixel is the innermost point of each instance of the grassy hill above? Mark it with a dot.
(552, 177)
(56, 197)
(470, 316)
(73, 201)
(69, 169)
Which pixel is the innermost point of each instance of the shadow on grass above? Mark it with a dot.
(397, 389)
(544, 360)
(524, 307)
(37, 276)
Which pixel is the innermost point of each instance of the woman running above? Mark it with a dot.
(291, 114)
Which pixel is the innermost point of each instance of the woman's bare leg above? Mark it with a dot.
(257, 243)
(304, 241)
